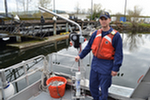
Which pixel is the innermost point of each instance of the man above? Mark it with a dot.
(106, 45)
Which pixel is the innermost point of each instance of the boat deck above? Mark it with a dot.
(114, 92)
(46, 96)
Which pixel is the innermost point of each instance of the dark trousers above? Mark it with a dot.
(97, 81)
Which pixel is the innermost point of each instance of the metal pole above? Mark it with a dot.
(25, 72)
(17, 6)
(125, 9)
(46, 10)
(67, 27)
(91, 8)
(54, 28)
(6, 11)
(4, 83)
(54, 6)
(16, 84)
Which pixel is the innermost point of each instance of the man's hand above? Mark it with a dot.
(113, 73)
(77, 58)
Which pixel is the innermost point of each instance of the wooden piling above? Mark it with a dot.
(54, 28)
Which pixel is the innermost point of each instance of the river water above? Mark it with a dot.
(136, 59)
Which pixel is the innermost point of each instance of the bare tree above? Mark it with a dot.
(27, 5)
(89, 11)
(44, 3)
(83, 11)
(77, 8)
(135, 13)
(97, 10)
(24, 5)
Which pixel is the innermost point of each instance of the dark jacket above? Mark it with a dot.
(104, 66)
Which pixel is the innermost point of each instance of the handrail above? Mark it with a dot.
(23, 63)
(65, 66)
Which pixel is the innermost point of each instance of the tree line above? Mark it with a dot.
(24, 5)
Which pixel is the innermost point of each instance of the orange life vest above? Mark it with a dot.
(102, 47)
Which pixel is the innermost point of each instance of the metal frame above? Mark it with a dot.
(23, 63)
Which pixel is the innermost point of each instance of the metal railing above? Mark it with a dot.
(25, 75)
(73, 70)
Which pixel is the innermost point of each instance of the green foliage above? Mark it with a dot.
(144, 25)
(95, 15)
(127, 23)
(96, 11)
(138, 24)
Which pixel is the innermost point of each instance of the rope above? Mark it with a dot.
(45, 74)
(58, 92)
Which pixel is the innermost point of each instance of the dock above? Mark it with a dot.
(38, 43)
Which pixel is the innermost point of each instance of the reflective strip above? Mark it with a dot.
(113, 32)
(108, 38)
(98, 35)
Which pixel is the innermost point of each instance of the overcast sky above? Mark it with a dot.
(114, 6)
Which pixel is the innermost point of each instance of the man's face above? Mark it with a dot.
(104, 21)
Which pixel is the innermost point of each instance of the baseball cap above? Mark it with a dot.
(104, 14)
